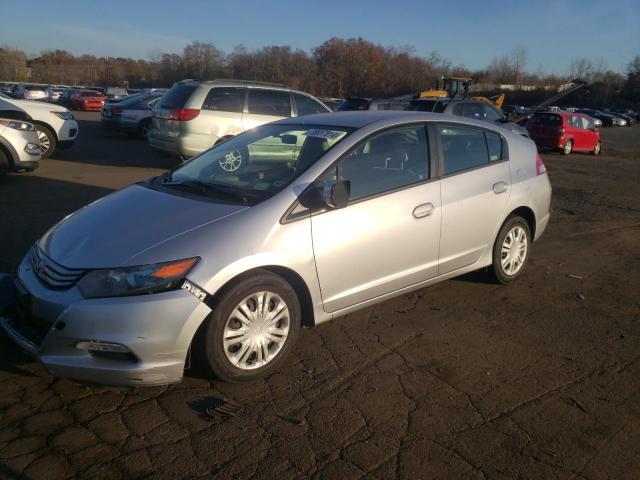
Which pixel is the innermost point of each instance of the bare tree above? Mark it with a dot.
(581, 68)
(518, 61)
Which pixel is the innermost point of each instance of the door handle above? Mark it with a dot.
(423, 210)
(500, 187)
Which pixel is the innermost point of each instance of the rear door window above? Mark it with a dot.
(275, 103)
(307, 106)
(462, 147)
(177, 96)
(494, 143)
(225, 99)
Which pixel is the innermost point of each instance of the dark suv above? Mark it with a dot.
(467, 108)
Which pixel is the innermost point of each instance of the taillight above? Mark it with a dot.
(117, 111)
(184, 114)
(540, 168)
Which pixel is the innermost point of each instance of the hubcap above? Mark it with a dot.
(256, 330)
(567, 147)
(514, 250)
(231, 161)
(45, 144)
(597, 148)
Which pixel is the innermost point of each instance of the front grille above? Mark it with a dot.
(52, 273)
(28, 326)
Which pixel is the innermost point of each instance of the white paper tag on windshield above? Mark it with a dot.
(321, 133)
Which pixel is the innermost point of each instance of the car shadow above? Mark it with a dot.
(97, 146)
(478, 276)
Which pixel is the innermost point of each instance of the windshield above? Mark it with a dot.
(260, 162)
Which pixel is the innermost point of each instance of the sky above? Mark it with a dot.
(469, 33)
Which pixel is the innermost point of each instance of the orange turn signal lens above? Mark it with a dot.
(175, 269)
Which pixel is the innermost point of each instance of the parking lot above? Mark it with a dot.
(465, 379)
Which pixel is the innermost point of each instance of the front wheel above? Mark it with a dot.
(251, 329)
(568, 147)
(47, 141)
(511, 250)
(597, 148)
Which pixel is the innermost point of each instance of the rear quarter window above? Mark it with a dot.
(177, 96)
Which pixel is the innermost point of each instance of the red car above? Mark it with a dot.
(87, 100)
(565, 131)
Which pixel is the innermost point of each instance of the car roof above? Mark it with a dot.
(361, 118)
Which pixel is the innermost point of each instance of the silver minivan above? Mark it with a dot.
(194, 116)
(289, 224)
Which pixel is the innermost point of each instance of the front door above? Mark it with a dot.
(387, 237)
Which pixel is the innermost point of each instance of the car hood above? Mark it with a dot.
(113, 230)
(35, 106)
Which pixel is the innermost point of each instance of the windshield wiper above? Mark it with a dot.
(205, 187)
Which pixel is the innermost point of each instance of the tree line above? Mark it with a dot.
(336, 68)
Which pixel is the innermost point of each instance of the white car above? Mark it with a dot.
(55, 125)
(19, 147)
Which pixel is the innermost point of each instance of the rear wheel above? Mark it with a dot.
(597, 148)
(47, 141)
(251, 330)
(144, 128)
(511, 250)
(568, 147)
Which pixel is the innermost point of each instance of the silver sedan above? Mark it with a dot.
(287, 225)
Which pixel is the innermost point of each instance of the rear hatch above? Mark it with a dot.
(545, 127)
(169, 112)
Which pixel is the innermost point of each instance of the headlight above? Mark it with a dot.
(66, 115)
(119, 282)
(17, 125)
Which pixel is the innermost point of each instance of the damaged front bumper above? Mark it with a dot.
(123, 341)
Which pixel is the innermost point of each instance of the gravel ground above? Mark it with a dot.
(465, 379)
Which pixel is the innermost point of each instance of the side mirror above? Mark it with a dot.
(335, 193)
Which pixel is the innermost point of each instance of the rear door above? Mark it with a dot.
(265, 105)
(221, 112)
(475, 186)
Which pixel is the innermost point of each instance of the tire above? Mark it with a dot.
(504, 270)
(5, 163)
(597, 148)
(242, 361)
(144, 128)
(567, 147)
(48, 141)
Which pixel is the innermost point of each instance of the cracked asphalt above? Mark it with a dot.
(465, 379)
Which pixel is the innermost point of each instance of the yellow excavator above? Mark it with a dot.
(458, 87)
